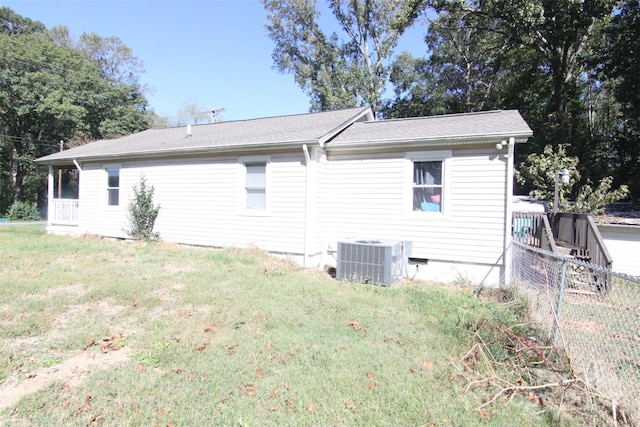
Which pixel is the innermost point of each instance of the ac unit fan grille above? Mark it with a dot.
(369, 262)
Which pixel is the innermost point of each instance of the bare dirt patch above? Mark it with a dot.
(71, 372)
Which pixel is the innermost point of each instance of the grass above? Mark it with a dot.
(230, 337)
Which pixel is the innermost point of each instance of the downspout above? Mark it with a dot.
(508, 212)
(310, 204)
(75, 162)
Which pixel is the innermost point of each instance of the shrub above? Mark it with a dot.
(24, 211)
(142, 212)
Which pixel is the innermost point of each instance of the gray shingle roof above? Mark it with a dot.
(338, 129)
(282, 130)
(450, 128)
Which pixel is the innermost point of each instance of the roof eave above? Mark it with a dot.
(176, 152)
(520, 137)
(365, 112)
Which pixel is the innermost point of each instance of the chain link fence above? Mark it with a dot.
(591, 313)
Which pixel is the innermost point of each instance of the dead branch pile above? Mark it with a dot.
(506, 365)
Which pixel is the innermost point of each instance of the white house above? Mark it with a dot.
(297, 185)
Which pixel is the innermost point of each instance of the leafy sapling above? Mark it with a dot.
(142, 212)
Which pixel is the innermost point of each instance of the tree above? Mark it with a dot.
(466, 63)
(52, 89)
(344, 68)
(538, 57)
(193, 114)
(620, 67)
(541, 169)
(14, 24)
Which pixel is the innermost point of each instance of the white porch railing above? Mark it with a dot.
(63, 211)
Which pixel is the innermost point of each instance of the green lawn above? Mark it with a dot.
(122, 333)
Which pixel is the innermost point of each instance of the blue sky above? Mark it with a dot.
(214, 53)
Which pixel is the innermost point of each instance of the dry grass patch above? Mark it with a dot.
(230, 337)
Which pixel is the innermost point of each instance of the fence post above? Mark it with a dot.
(563, 277)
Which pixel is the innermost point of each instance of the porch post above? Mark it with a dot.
(50, 190)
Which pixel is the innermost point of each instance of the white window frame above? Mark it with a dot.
(428, 156)
(106, 168)
(242, 185)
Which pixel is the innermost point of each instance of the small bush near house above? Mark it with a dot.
(24, 211)
(142, 212)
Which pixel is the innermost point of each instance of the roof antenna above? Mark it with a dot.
(215, 113)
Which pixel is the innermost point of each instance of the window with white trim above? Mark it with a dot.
(256, 185)
(428, 182)
(113, 187)
(254, 181)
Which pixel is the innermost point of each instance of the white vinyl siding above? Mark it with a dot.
(622, 242)
(372, 195)
(199, 202)
(203, 202)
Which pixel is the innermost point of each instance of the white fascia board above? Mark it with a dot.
(366, 112)
(180, 152)
(431, 142)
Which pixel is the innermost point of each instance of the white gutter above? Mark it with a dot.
(75, 162)
(405, 143)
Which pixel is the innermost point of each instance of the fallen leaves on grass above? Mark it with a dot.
(349, 405)
(95, 420)
(200, 346)
(485, 415)
(259, 373)
(250, 388)
(425, 364)
(89, 344)
(113, 343)
(372, 384)
(310, 407)
(357, 326)
(211, 328)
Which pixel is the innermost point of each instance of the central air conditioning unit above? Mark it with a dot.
(381, 262)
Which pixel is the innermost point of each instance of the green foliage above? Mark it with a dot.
(24, 211)
(142, 212)
(540, 170)
(53, 87)
(339, 69)
(592, 200)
